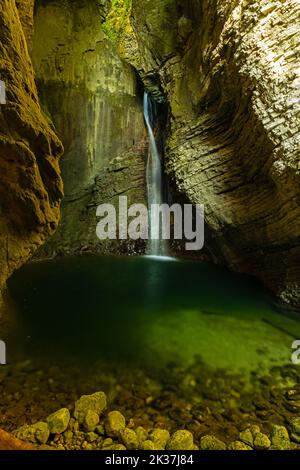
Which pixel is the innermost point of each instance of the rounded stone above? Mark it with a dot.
(35, 433)
(142, 434)
(114, 423)
(129, 439)
(96, 402)
(91, 437)
(90, 421)
(280, 437)
(239, 445)
(148, 445)
(59, 421)
(181, 440)
(246, 437)
(211, 443)
(261, 441)
(160, 437)
(295, 426)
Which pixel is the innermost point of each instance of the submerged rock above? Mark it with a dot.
(114, 423)
(90, 420)
(280, 437)
(246, 437)
(295, 429)
(211, 443)
(96, 403)
(238, 445)
(59, 421)
(129, 439)
(261, 441)
(36, 433)
(160, 437)
(148, 445)
(181, 440)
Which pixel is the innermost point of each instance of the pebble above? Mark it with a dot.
(142, 434)
(295, 429)
(114, 423)
(90, 420)
(59, 421)
(129, 439)
(181, 440)
(280, 437)
(246, 437)
(95, 402)
(160, 437)
(91, 437)
(35, 433)
(211, 443)
(100, 430)
(261, 441)
(148, 445)
(239, 445)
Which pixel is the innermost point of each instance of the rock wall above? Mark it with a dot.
(30, 183)
(93, 97)
(230, 73)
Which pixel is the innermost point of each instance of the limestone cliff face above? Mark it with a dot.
(230, 73)
(30, 183)
(92, 97)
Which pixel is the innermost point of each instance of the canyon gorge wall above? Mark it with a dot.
(93, 98)
(30, 184)
(230, 74)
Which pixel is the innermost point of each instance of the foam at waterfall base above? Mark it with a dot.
(160, 258)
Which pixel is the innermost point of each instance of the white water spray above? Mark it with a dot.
(156, 245)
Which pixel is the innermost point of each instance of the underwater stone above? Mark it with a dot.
(181, 440)
(160, 437)
(280, 437)
(96, 402)
(129, 439)
(91, 437)
(35, 433)
(100, 430)
(295, 429)
(142, 434)
(107, 443)
(148, 445)
(90, 420)
(246, 437)
(261, 441)
(211, 443)
(239, 445)
(114, 423)
(59, 421)
(118, 447)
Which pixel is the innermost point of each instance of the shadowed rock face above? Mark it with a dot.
(230, 73)
(30, 183)
(93, 99)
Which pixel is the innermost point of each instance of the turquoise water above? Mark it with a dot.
(148, 312)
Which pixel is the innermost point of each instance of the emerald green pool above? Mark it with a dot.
(147, 312)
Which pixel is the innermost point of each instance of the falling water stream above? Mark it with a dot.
(156, 246)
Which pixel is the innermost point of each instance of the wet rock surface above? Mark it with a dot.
(138, 410)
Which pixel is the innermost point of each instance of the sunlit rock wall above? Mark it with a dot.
(30, 183)
(92, 96)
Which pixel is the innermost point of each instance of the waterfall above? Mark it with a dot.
(156, 246)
